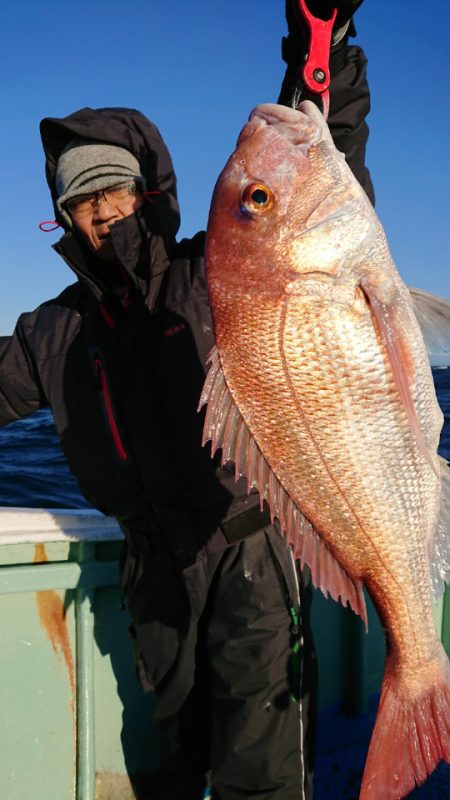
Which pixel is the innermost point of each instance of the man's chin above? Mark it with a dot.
(105, 251)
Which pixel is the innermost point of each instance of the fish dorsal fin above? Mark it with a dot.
(439, 544)
(433, 316)
(225, 428)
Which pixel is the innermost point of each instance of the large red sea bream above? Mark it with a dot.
(320, 391)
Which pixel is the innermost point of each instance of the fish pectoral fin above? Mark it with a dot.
(439, 544)
(390, 318)
(226, 429)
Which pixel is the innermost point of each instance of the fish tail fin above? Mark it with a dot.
(410, 736)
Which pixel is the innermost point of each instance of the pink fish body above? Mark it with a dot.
(320, 390)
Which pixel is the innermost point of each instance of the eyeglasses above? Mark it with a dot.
(84, 204)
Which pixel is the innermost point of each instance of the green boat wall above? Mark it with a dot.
(75, 724)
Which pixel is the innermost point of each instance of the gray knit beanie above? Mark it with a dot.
(85, 166)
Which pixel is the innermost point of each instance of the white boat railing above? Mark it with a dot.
(40, 525)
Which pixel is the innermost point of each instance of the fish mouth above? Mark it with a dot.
(275, 113)
(303, 127)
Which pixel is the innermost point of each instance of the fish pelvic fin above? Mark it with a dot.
(225, 428)
(439, 544)
(410, 737)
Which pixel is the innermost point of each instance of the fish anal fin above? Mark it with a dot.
(387, 314)
(226, 428)
(410, 737)
(326, 572)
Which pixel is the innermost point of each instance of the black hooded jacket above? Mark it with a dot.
(123, 372)
(123, 376)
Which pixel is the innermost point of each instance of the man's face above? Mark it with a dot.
(96, 213)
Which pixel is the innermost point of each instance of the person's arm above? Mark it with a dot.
(20, 389)
(349, 90)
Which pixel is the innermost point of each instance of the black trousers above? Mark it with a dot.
(227, 647)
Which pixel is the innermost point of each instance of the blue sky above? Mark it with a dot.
(196, 69)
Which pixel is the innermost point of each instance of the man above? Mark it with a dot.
(218, 611)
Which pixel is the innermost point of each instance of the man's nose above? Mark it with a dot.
(103, 209)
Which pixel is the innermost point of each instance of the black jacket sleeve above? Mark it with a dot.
(20, 389)
(349, 106)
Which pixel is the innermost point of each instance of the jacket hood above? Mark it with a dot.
(145, 241)
(124, 127)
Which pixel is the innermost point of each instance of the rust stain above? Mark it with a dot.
(115, 786)
(53, 619)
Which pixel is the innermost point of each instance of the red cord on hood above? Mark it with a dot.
(147, 195)
(51, 222)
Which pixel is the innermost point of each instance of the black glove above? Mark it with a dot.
(295, 45)
(323, 9)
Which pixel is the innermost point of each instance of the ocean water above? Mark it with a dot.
(34, 474)
(33, 469)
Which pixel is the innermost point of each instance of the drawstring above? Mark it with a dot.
(147, 195)
(51, 222)
(110, 321)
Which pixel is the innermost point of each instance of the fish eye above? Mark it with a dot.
(257, 198)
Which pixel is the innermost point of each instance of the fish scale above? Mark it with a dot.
(250, 393)
(349, 447)
(322, 374)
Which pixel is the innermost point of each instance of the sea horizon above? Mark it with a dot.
(34, 471)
